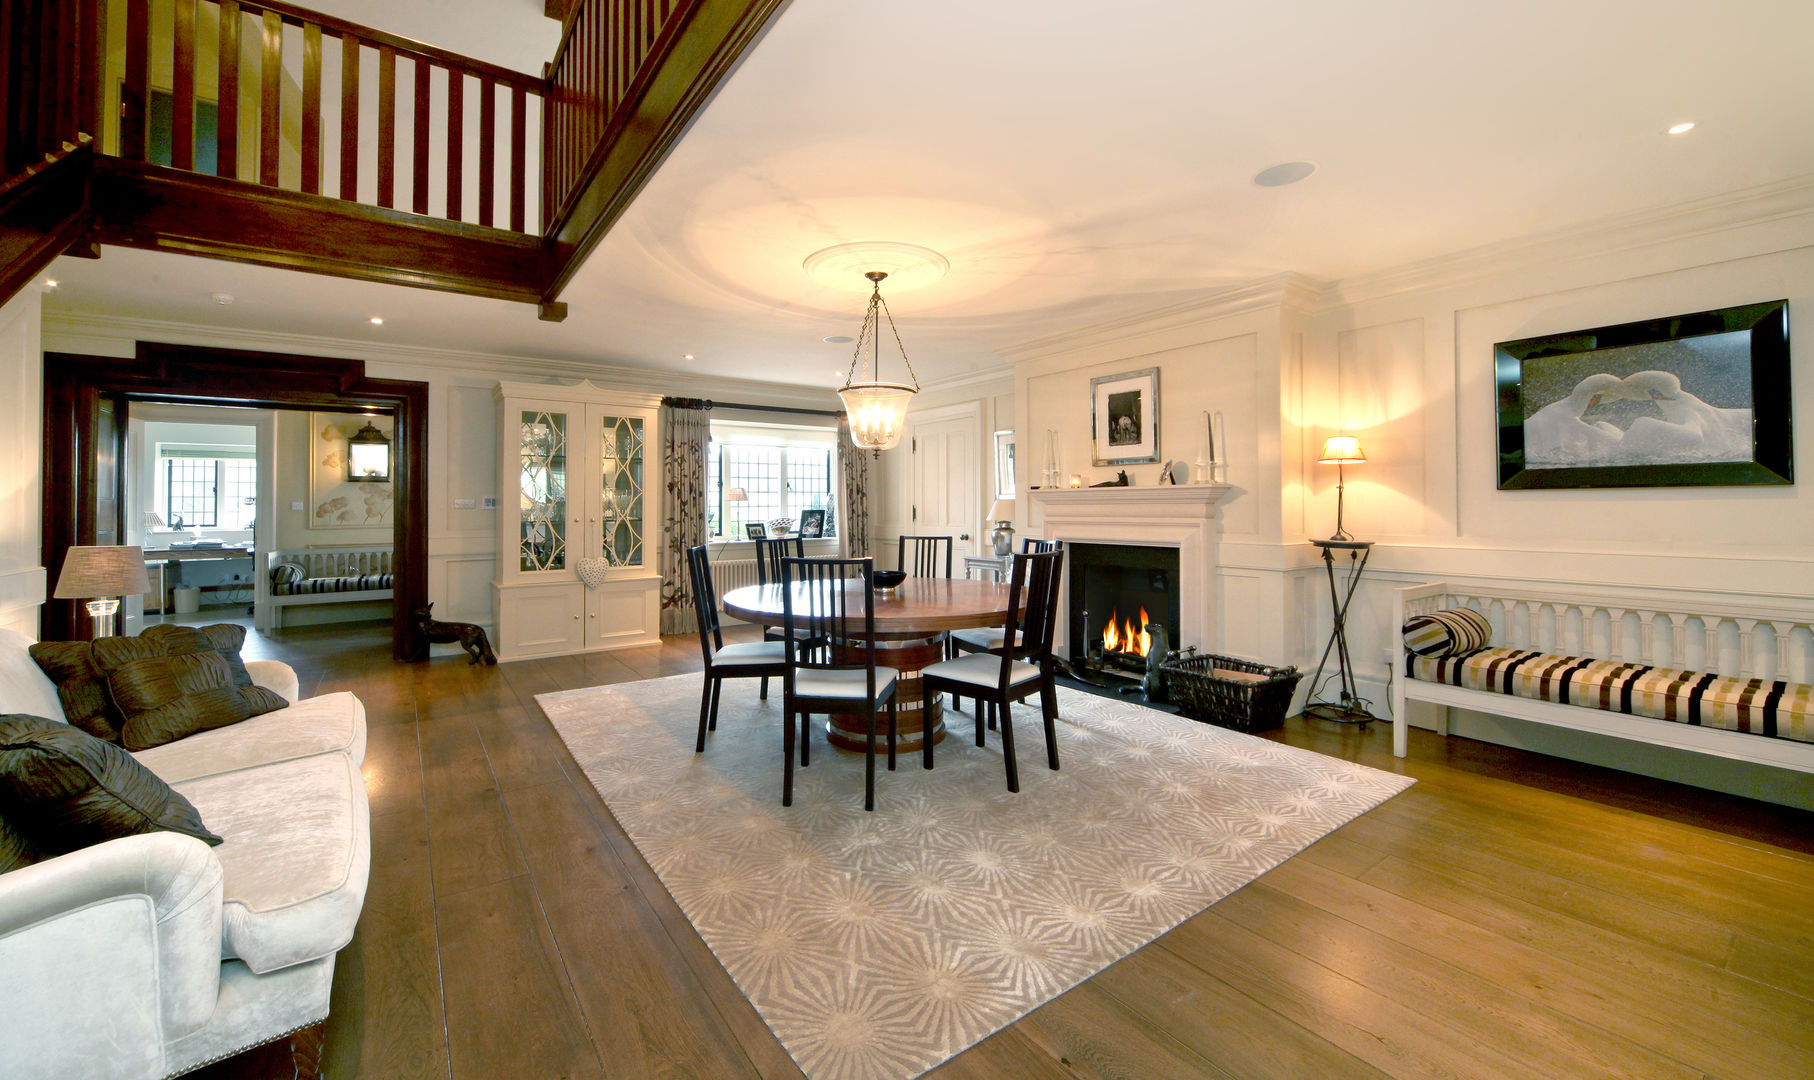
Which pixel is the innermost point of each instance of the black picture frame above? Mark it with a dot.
(1664, 403)
(755, 530)
(812, 524)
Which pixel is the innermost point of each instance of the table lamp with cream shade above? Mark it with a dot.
(1001, 511)
(101, 575)
(1340, 451)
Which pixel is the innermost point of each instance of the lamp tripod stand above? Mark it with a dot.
(1349, 707)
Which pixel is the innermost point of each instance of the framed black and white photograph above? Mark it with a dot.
(812, 524)
(1124, 427)
(1685, 401)
(1004, 464)
(755, 530)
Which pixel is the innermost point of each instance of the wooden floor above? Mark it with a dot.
(1510, 916)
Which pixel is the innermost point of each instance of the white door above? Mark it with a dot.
(947, 483)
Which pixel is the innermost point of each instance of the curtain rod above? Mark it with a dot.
(706, 403)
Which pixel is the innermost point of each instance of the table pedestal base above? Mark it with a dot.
(916, 716)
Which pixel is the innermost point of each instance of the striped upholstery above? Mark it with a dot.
(288, 573)
(307, 586)
(1448, 632)
(1774, 709)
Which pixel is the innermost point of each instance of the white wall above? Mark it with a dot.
(22, 575)
(990, 399)
(462, 430)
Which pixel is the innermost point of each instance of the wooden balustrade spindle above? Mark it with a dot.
(419, 173)
(519, 138)
(456, 143)
(311, 108)
(270, 108)
(138, 77)
(349, 116)
(182, 87)
(488, 161)
(226, 93)
(387, 126)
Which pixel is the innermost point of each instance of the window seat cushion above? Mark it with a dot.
(356, 583)
(1773, 709)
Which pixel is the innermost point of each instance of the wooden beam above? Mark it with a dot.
(159, 209)
(42, 212)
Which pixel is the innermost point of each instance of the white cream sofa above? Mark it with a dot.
(151, 955)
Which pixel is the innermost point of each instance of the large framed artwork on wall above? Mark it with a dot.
(1685, 401)
(1124, 418)
(335, 502)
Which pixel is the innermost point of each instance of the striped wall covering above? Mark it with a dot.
(1774, 709)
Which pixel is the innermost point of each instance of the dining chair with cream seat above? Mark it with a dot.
(1021, 666)
(989, 638)
(817, 596)
(745, 660)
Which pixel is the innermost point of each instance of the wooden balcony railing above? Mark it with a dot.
(246, 85)
(605, 46)
(259, 131)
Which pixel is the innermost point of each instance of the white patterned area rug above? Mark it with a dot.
(877, 945)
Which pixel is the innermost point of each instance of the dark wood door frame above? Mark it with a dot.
(184, 374)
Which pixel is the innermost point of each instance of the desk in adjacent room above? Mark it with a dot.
(158, 562)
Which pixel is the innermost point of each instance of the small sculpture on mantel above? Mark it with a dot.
(1120, 480)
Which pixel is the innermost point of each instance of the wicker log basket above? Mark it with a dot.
(1230, 692)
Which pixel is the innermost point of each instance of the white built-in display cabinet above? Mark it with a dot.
(579, 516)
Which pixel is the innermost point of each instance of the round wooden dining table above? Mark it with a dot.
(911, 622)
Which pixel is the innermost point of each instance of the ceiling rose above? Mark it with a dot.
(908, 266)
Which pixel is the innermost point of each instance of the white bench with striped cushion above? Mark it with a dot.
(331, 576)
(1709, 673)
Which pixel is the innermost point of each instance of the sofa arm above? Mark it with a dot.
(275, 676)
(110, 952)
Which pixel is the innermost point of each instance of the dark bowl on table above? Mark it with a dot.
(888, 579)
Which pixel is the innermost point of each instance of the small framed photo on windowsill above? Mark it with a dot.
(755, 530)
(812, 524)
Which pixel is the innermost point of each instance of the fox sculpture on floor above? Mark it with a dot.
(471, 636)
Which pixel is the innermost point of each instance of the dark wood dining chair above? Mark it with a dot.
(989, 638)
(923, 556)
(745, 660)
(816, 601)
(769, 553)
(1021, 666)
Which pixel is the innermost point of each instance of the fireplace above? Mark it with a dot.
(1123, 599)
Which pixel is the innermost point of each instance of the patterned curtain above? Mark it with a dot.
(684, 427)
(853, 467)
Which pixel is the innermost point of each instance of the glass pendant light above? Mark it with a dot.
(877, 409)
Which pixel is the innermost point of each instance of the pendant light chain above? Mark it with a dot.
(872, 324)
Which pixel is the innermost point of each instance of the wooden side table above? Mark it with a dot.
(996, 566)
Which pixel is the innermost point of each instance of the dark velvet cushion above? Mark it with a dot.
(81, 688)
(173, 681)
(15, 849)
(64, 789)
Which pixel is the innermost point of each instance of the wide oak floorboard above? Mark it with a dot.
(1513, 916)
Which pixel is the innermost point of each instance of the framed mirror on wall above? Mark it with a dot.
(1004, 464)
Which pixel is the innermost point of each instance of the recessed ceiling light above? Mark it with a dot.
(221, 298)
(838, 339)
(688, 356)
(1682, 128)
(50, 283)
(377, 320)
(1289, 172)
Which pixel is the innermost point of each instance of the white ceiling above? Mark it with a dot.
(1077, 161)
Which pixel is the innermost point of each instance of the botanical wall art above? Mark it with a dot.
(1690, 400)
(334, 501)
(1124, 411)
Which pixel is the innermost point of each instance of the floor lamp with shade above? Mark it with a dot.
(1348, 707)
(101, 575)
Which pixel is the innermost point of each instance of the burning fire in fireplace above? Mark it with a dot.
(1121, 635)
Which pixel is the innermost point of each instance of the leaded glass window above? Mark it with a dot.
(621, 448)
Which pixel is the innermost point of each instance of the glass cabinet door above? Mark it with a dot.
(621, 453)
(542, 494)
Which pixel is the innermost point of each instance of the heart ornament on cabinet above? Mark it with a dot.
(592, 571)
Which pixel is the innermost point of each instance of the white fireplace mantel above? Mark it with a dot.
(1182, 516)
